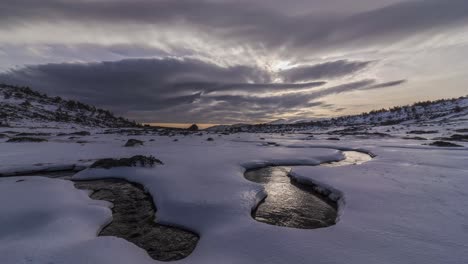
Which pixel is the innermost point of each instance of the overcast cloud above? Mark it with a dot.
(226, 61)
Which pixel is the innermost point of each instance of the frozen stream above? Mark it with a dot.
(292, 204)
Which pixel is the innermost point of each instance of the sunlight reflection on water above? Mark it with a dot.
(296, 205)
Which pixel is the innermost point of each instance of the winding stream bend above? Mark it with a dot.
(133, 219)
(288, 203)
(291, 204)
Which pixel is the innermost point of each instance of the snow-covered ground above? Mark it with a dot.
(407, 205)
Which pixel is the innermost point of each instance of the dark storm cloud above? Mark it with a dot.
(137, 11)
(249, 24)
(142, 84)
(324, 70)
(172, 90)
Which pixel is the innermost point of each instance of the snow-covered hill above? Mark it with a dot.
(440, 112)
(23, 107)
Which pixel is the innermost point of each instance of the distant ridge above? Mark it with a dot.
(441, 111)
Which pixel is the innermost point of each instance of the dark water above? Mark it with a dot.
(292, 204)
(133, 219)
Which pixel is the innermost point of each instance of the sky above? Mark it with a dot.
(226, 61)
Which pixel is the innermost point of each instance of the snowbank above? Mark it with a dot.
(404, 206)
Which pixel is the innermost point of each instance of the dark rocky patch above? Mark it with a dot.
(367, 135)
(348, 130)
(25, 134)
(421, 132)
(79, 133)
(10, 132)
(139, 160)
(415, 138)
(26, 139)
(209, 139)
(270, 144)
(459, 137)
(462, 130)
(133, 219)
(358, 132)
(333, 138)
(455, 137)
(444, 144)
(133, 142)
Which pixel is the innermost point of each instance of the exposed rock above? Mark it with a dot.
(26, 139)
(271, 143)
(455, 137)
(421, 132)
(133, 142)
(80, 133)
(444, 144)
(139, 160)
(209, 139)
(415, 138)
(25, 134)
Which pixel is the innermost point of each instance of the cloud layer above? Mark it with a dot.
(158, 89)
(228, 61)
(323, 71)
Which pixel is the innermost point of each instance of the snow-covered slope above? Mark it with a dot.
(440, 111)
(21, 106)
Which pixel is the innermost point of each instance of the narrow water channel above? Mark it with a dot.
(291, 204)
(133, 219)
